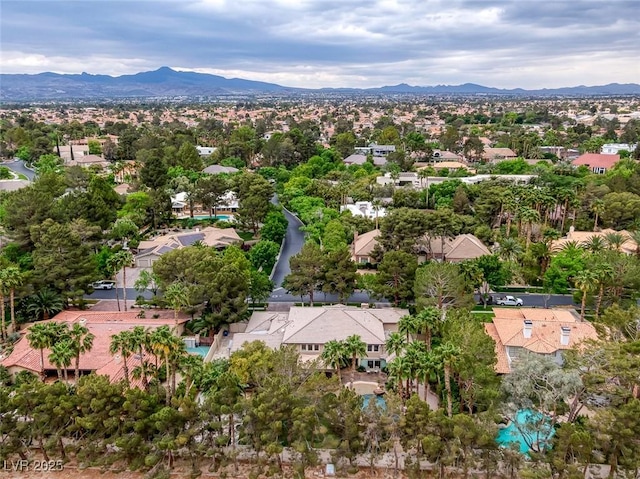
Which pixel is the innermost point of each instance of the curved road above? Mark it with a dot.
(293, 241)
(19, 167)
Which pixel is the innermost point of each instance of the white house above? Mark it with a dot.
(366, 209)
(615, 148)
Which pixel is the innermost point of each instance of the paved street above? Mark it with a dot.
(293, 242)
(19, 167)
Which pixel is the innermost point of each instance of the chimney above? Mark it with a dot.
(526, 330)
(564, 335)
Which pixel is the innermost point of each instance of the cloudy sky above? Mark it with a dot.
(332, 43)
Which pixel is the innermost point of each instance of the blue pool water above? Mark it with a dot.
(201, 350)
(206, 217)
(379, 401)
(512, 435)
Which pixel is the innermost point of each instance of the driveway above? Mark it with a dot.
(19, 167)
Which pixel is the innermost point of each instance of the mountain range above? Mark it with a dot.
(166, 82)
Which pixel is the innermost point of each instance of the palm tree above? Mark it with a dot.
(396, 343)
(121, 260)
(62, 353)
(3, 332)
(161, 345)
(615, 240)
(408, 326)
(510, 249)
(44, 304)
(334, 354)
(635, 237)
(529, 216)
(597, 207)
(140, 338)
(398, 372)
(595, 244)
(38, 338)
(123, 344)
(585, 280)
(10, 279)
(177, 296)
(355, 348)
(604, 273)
(448, 354)
(413, 356)
(82, 342)
(428, 320)
(425, 365)
(376, 204)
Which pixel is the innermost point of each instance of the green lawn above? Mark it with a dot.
(245, 235)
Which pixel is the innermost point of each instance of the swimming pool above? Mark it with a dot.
(528, 427)
(380, 402)
(207, 217)
(201, 350)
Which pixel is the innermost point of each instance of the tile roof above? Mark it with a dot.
(103, 325)
(507, 329)
(209, 236)
(364, 244)
(596, 160)
(583, 237)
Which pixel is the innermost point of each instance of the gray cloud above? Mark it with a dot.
(332, 43)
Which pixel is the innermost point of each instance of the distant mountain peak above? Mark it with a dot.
(167, 82)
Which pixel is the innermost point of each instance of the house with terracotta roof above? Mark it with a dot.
(309, 329)
(103, 325)
(597, 162)
(363, 245)
(582, 239)
(540, 331)
(149, 251)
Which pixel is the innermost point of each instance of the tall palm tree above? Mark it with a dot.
(604, 274)
(162, 344)
(408, 326)
(38, 338)
(177, 296)
(3, 326)
(585, 281)
(597, 207)
(11, 278)
(355, 348)
(123, 344)
(178, 351)
(396, 343)
(62, 353)
(141, 341)
(333, 354)
(398, 370)
(82, 342)
(120, 261)
(528, 216)
(425, 366)
(447, 354)
(44, 304)
(428, 320)
(414, 355)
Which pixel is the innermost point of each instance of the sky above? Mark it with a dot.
(332, 43)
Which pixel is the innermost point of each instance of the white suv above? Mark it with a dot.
(104, 284)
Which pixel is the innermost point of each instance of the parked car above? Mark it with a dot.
(508, 301)
(104, 284)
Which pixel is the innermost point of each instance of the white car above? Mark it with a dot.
(104, 284)
(508, 301)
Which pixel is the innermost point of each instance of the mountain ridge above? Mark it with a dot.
(166, 82)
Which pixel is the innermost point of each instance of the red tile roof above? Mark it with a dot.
(596, 160)
(103, 325)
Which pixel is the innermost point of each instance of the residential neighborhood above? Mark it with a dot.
(312, 279)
